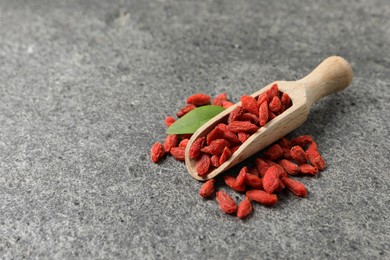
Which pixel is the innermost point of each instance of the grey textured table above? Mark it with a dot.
(85, 86)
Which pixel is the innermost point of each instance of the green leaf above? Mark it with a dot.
(194, 119)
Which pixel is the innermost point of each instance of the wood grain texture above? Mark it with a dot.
(332, 75)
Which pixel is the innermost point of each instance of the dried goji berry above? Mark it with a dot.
(314, 157)
(286, 101)
(241, 176)
(207, 189)
(216, 133)
(235, 114)
(199, 99)
(183, 143)
(231, 182)
(243, 136)
(275, 105)
(274, 152)
(261, 98)
(253, 181)
(228, 135)
(227, 104)
(290, 167)
(185, 110)
(178, 153)
(272, 92)
(216, 147)
(226, 154)
(157, 152)
(302, 141)
(295, 187)
(169, 120)
(242, 126)
(298, 154)
(249, 117)
(263, 113)
(308, 169)
(226, 203)
(261, 166)
(219, 99)
(280, 187)
(245, 208)
(196, 147)
(262, 197)
(170, 141)
(215, 161)
(250, 104)
(203, 165)
(271, 179)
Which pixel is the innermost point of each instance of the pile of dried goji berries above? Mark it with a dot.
(270, 176)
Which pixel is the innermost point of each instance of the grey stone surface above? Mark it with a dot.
(85, 86)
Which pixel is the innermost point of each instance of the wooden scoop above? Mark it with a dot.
(331, 75)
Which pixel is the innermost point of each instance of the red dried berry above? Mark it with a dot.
(261, 98)
(262, 197)
(203, 165)
(241, 176)
(275, 105)
(183, 143)
(280, 187)
(302, 141)
(271, 179)
(263, 113)
(215, 161)
(226, 154)
(216, 147)
(298, 154)
(286, 101)
(170, 141)
(219, 99)
(308, 169)
(261, 166)
(272, 92)
(274, 152)
(226, 203)
(199, 99)
(253, 171)
(253, 181)
(207, 189)
(243, 136)
(289, 167)
(231, 182)
(295, 187)
(196, 147)
(249, 117)
(235, 114)
(185, 110)
(157, 152)
(250, 104)
(178, 153)
(242, 126)
(271, 115)
(245, 208)
(228, 135)
(169, 120)
(314, 157)
(216, 133)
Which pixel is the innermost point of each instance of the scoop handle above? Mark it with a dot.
(332, 75)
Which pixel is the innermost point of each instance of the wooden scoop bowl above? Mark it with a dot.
(331, 75)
